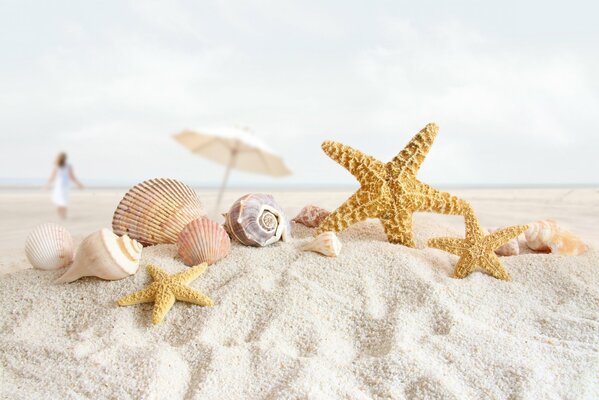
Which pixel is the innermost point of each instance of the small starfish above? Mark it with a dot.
(477, 249)
(166, 289)
(389, 192)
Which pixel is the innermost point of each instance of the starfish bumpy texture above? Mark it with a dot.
(477, 249)
(389, 192)
(166, 289)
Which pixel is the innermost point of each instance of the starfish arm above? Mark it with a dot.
(473, 229)
(399, 228)
(141, 296)
(360, 206)
(408, 160)
(163, 302)
(464, 267)
(428, 198)
(156, 273)
(493, 266)
(185, 293)
(449, 244)
(502, 236)
(190, 274)
(364, 167)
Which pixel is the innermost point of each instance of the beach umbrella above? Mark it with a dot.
(234, 147)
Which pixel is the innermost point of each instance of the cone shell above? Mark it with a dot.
(203, 240)
(257, 220)
(311, 216)
(327, 243)
(104, 255)
(546, 236)
(511, 248)
(49, 246)
(155, 211)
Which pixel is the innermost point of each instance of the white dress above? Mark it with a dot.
(60, 194)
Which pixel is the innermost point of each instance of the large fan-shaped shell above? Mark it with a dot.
(49, 246)
(327, 243)
(257, 220)
(104, 255)
(155, 211)
(203, 240)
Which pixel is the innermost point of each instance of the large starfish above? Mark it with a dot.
(389, 192)
(478, 249)
(166, 289)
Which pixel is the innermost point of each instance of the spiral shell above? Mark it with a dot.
(311, 216)
(257, 220)
(546, 236)
(104, 255)
(511, 248)
(49, 246)
(203, 240)
(327, 243)
(155, 211)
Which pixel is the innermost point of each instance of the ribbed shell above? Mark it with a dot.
(547, 236)
(155, 211)
(327, 243)
(49, 246)
(311, 216)
(203, 240)
(257, 220)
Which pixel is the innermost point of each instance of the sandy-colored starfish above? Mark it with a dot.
(165, 289)
(389, 192)
(478, 249)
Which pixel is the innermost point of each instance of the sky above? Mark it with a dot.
(513, 86)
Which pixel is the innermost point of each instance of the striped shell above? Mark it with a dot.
(311, 216)
(327, 243)
(203, 240)
(49, 246)
(547, 236)
(257, 220)
(104, 255)
(155, 211)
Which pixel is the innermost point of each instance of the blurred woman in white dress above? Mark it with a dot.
(62, 176)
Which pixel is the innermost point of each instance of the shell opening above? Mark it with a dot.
(268, 221)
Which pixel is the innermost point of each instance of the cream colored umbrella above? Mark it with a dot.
(236, 148)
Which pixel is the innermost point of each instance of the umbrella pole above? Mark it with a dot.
(225, 179)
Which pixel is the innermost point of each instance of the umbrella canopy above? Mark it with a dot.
(236, 148)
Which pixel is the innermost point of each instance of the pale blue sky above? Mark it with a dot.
(513, 86)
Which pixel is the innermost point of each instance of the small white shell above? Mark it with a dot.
(203, 240)
(104, 255)
(49, 246)
(327, 243)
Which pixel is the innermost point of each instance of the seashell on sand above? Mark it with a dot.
(104, 255)
(156, 210)
(203, 240)
(547, 236)
(511, 248)
(311, 216)
(327, 243)
(49, 246)
(257, 220)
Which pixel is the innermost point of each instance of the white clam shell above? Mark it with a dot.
(327, 243)
(49, 246)
(203, 240)
(155, 211)
(104, 255)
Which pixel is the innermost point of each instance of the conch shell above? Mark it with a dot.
(311, 216)
(546, 236)
(49, 246)
(203, 240)
(257, 220)
(104, 255)
(155, 211)
(327, 243)
(511, 248)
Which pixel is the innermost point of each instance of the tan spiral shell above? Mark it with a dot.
(156, 210)
(547, 236)
(311, 216)
(49, 246)
(203, 240)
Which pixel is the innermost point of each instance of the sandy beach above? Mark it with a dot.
(379, 321)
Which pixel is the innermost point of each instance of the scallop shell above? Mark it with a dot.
(155, 211)
(257, 220)
(203, 240)
(546, 236)
(104, 255)
(311, 216)
(327, 243)
(511, 248)
(49, 246)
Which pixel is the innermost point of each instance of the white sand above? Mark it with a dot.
(379, 321)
